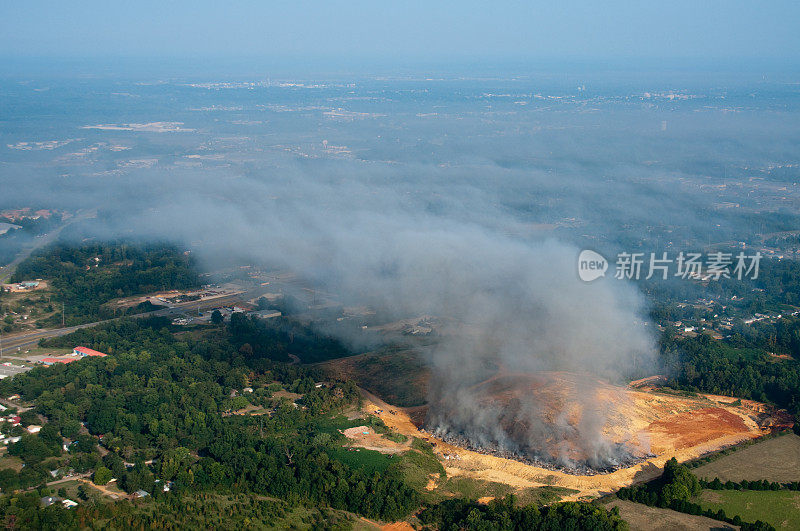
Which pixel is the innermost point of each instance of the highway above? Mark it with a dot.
(17, 342)
(41, 241)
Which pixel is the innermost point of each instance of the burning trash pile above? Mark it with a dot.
(544, 420)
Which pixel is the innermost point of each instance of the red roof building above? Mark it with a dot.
(50, 361)
(83, 351)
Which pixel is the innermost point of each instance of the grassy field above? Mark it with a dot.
(779, 508)
(368, 460)
(333, 424)
(406, 388)
(9, 461)
(642, 517)
(476, 489)
(419, 466)
(775, 459)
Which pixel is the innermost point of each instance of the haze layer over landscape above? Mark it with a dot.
(465, 198)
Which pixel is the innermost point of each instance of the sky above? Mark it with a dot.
(728, 30)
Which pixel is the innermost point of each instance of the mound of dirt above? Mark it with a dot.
(664, 424)
(563, 419)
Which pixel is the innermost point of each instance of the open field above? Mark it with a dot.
(775, 459)
(642, 517)
(407, 386)
(779, 508)
(10, 462)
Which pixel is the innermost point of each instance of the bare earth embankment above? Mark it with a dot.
(663, 424)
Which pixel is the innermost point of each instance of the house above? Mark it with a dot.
(47, 501)
(141, 494)
(69, 504)
(33, 428)
(84, 351)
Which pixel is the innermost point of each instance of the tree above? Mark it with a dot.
(102, 475)
(216, 317)
(70, 428)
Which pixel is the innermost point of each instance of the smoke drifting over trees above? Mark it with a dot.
(464, 200)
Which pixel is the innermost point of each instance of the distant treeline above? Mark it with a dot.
(706, 365)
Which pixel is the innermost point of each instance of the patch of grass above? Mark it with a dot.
(543, 495)
(335, 423)
(475, 488)
(399, 438)
(422, 446)
(779, 508)
(406, 388)
(418, 467)
(641, 516)
(464, 487)
(9, 461)
(368, 460)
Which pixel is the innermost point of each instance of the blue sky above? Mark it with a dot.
(409, 29)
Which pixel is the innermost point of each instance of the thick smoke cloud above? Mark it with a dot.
(462, 199)
(514, 306)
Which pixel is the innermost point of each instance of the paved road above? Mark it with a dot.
(12, 344)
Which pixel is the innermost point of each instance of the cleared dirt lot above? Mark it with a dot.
(775, 459)
(365, 437)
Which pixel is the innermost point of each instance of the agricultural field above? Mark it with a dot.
(780, 508)
(642, 517)
(776, 459)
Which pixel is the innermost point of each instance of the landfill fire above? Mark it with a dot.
(558, 421)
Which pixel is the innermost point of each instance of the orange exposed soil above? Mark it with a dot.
(398, 526)
(365, 437)
(664, 424)
(681, 431)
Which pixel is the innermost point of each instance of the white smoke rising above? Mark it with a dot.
(518, 304)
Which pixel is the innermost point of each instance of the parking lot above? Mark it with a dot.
(7, 369)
